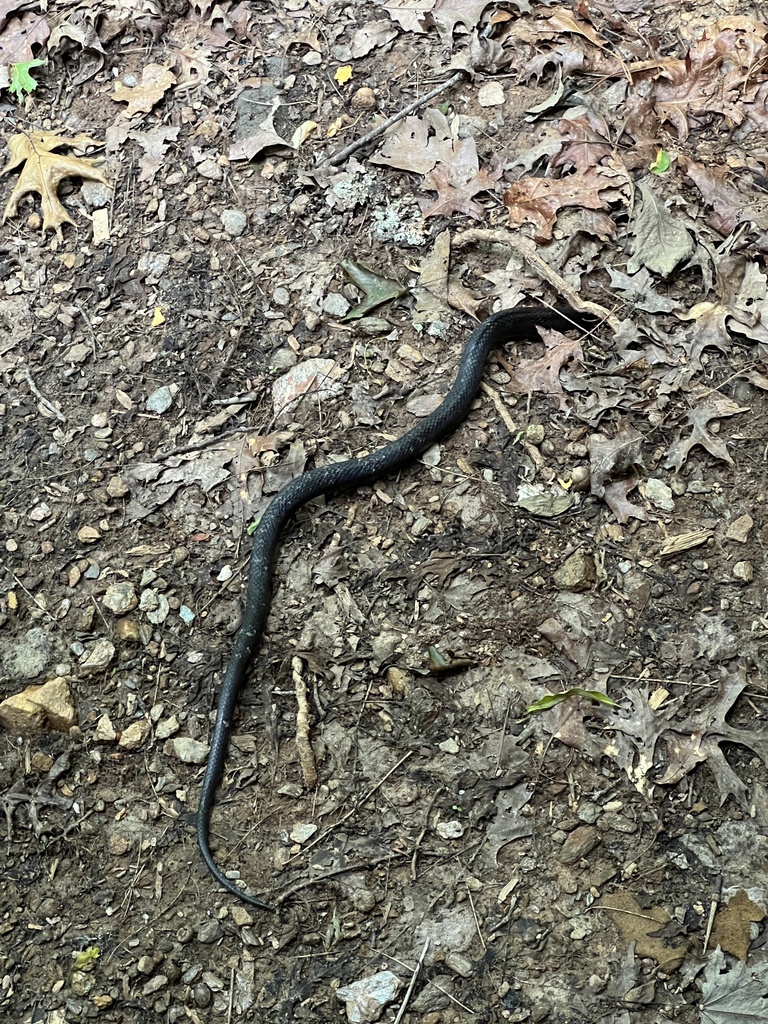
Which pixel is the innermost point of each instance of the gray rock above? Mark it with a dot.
(120, 598)
(436, 995)
(365, 999)
(161, 399)
(187, 750)
(209, 931)
(99, 656)
(28, 657)
(234, 222)
(579, 843)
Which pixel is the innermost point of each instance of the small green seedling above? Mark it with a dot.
(22, 81)
(551, 699)
(661, 163)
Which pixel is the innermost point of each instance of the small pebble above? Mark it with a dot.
(202, 995)
(161, 399)
(209, 931)
(120, 598)
(744, 571)
(234, 222)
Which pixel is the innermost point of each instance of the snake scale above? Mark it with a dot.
(507, 325)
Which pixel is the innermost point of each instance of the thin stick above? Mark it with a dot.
(206, 442)
(423, 832)
(45, 402)
(231, 995)
(303, 745)
(414, 976)
(339, 158)
(714, 901)
(526, 250)
(33, 599)
(305, 883)
(431, 984)
(477, 920)
(247, 396)
(355, 807)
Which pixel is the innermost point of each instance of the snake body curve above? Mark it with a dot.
(507, 325)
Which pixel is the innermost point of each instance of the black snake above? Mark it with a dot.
(507, 325)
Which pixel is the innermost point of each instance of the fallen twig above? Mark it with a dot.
(303, 746)
(341, 156)
(354, 808)
(414, 976)
(526, 251)
(713, 904)
(318, 879)
(45, 402)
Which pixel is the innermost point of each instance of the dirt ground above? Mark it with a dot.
(597, 529)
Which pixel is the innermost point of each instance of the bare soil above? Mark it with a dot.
(564, 866)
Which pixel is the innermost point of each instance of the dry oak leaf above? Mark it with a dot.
(563, 21)
(409, 14)
(457, 182)
(543, 374)
(447, 14)
(613, 458)
(264, 137)
(615, 496)
(720, 73)
(19, 34)
(44, 170)
(709, 331)
(410, 148)
(613, 473)
(731, 930)
(700, 417)
(567, 57)
(587, 142)
(729, 206)
(155, 83)
(537, 200)
(644, 926)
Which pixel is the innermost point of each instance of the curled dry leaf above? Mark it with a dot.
(729, 205)
(155, 83)
(616, 498)
(19, 34)
(531, 375)
(613, 457)
(265, 137)
(447, 14)
(372, 36)
(410, 15)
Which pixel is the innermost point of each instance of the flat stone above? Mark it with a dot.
(99, 656)
(187, 750)
(365, 999)
(579, 843)
(135, 735)
(27, 657)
